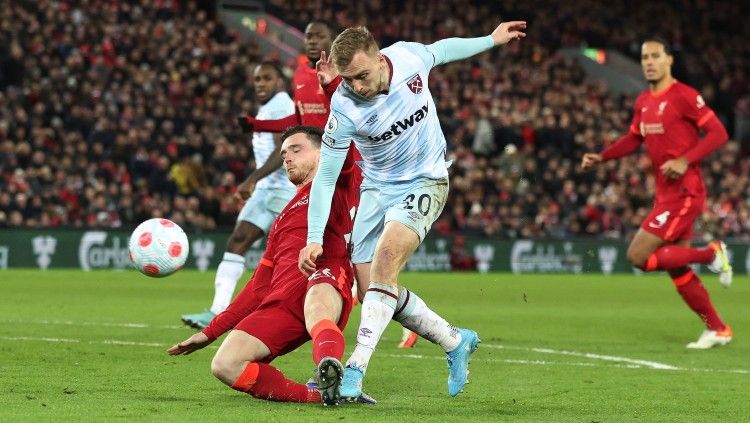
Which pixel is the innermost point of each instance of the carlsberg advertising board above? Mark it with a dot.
(101, 249)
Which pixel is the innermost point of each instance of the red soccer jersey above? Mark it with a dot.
(312, 103)
(278, 277)
(309, 98)
(669, 122)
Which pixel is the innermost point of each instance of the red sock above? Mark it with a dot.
(695, 295)
(264, 381)
(328, 341)
(675, 256)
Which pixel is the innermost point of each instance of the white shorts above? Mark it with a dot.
(416, 204)
(264, 205)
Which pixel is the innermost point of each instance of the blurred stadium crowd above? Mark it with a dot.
(114, 112)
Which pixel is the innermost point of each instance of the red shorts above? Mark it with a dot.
(279, 321)
(673, 220)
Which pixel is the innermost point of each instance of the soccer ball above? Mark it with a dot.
(158, 247)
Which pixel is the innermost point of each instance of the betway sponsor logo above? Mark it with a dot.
(401, 126)
(93, 252)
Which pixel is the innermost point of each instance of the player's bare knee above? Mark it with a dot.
(636, 258)
(223, 369)
(318, 310)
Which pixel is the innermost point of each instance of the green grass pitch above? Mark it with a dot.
(90, 346)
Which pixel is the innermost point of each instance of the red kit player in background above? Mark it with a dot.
(314, 83)
(668, 119)
(311, 103)
(280, 309)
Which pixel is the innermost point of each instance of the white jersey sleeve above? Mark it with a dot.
(337, 136)
(339, 131)
(279, 106)
(449, 49)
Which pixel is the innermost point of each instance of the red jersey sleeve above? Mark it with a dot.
(695, 110)
(693, 107)
(635, 123)
(246, 302)
(629, 142)
(331, 88)
(277, 125)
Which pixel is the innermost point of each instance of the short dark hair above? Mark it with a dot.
(313, 133)
(330, 26)
(661, 40)
(275, 65)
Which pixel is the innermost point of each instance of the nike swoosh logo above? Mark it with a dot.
(300, 86)
(657, 226)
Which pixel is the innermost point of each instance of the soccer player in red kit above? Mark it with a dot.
(281, 309)
(312, 101)
(668, 118)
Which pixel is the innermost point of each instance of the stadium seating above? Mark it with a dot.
(116, 112)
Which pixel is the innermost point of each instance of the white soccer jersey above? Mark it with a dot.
(279, 106)
(398, 134)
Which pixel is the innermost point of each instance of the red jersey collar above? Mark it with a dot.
(663, 90)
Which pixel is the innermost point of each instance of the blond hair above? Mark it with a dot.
(351, 41)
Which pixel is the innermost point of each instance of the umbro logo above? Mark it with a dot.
(372, 119)
(365, 332)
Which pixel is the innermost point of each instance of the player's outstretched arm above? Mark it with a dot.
(321, 194)
(250, 123)
(190, 345)
(452, 49)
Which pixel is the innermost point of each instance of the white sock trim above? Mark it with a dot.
(235, 258)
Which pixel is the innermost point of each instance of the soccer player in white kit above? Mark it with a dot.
(266, 190)
(385, 107)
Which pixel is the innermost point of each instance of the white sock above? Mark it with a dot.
(230, 270)
(377, 310)
(414, 315)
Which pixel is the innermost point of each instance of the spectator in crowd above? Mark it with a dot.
(111, 113)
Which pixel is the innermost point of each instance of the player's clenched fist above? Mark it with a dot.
(590, 160)
(308, 256)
